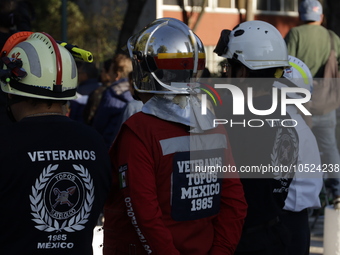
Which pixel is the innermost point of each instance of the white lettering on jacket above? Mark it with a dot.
(55, 155)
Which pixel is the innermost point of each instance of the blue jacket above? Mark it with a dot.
(109, 113)
(77, 105)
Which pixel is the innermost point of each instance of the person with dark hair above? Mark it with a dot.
(55, 172)
(95, 97)
(252, 65)
(88, 81)
(88, 76)
(105, 77)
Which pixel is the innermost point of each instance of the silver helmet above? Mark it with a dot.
(165, 55)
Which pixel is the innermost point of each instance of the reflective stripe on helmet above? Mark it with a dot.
(179, 61)
(34, 61)
(301, 71)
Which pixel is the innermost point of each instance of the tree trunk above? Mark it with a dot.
(185, 17)
(131, 18)
(200, 15)
(249, 10)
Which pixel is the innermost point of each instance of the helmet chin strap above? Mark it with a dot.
(136, 96)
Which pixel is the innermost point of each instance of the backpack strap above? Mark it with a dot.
(332, 41)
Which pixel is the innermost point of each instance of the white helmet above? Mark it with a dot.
(165, 55)
(256, 44)
(298, 75)
(40, 68)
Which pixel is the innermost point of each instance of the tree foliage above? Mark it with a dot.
(132, 14)
(48, 19)
(195, 6)
(91, 29)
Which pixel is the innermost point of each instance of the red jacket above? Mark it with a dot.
(157, 206)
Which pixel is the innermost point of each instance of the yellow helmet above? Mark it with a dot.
(39, 67)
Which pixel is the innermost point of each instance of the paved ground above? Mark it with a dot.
(315, 249)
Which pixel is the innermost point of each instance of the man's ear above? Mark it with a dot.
(321, 18)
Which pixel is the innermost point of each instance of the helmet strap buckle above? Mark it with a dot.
(14, 69)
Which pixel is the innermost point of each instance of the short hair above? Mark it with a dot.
(89, 68)
(122, 64)
(107, 64)
(266, 84)
(36, 101)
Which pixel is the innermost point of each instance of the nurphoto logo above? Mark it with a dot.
(240, 102)
(239, 99)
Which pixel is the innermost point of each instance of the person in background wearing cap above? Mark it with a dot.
(304, 190)
(55, 172)
(310, 42)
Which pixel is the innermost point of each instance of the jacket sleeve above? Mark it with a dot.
(304, 190)
(229, 223)
(140, 192)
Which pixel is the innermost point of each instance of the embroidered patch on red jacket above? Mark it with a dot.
(122, 176)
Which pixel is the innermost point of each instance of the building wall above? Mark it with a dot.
(212, 23)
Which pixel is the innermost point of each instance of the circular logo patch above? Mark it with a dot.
(64, 195)
(62, 201)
